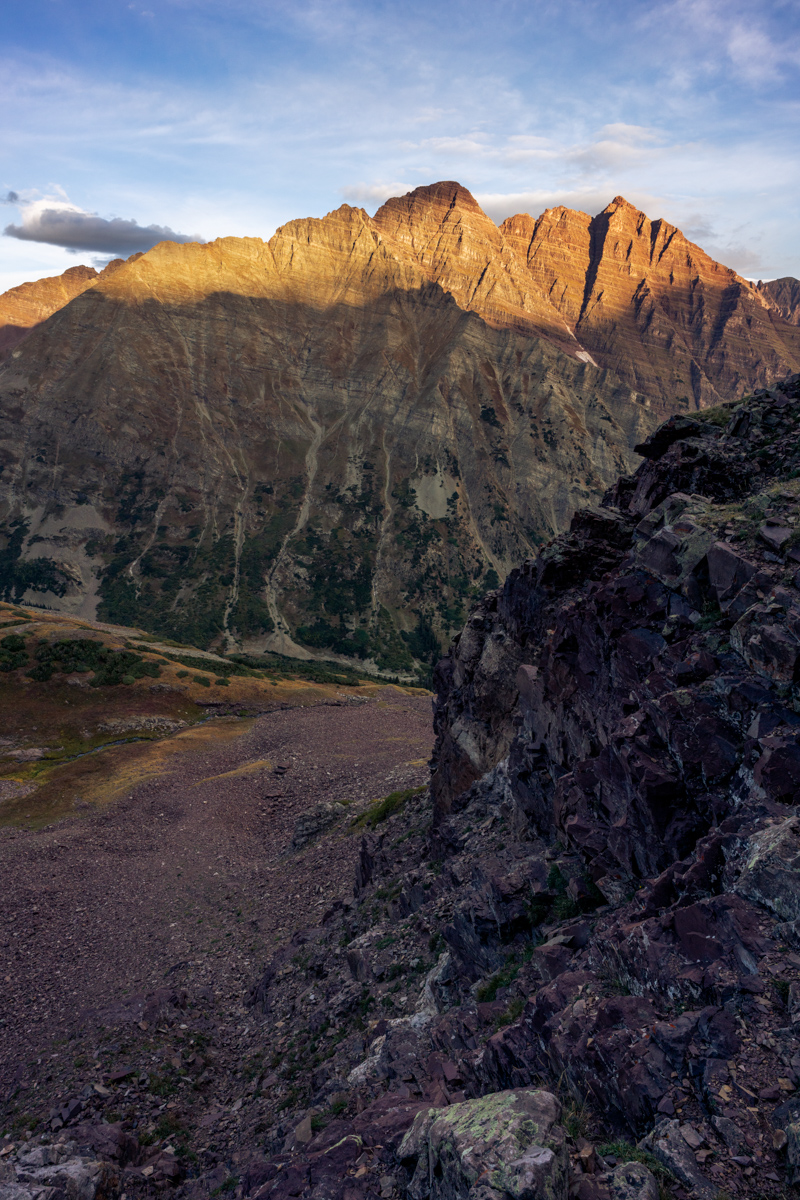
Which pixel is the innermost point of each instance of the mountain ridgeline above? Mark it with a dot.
(329, 444)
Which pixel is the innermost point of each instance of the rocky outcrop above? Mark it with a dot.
(95, 1162)
(652, 732)
(601, 629)
(328, 444)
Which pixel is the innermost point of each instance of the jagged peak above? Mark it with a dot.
(562, 212)
(620, 202)
(446, 194)
(349, 211)
(519, 222)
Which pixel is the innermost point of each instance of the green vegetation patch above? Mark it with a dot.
(625, 1152)
(199, 663)
(18, 575)
(185, 585)
(81, 655)
(278, 668)
(510, 1013)
(324, 636)
(12, 652)
(719, 416)
(381, 810)
(502, 978)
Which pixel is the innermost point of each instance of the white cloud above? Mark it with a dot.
(374, 193)
(724, 35)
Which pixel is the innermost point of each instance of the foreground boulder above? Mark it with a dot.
(58, 1172)
(504, 1144)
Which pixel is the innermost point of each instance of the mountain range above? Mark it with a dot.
(329, 443)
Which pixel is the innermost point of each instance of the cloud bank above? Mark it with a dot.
(57, 223)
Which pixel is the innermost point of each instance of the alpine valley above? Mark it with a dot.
(272, 929)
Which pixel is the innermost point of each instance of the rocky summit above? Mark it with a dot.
(332, 443)
(567, 970)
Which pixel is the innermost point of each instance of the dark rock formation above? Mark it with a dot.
(609, 886)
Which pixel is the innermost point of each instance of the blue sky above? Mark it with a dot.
(216, 117)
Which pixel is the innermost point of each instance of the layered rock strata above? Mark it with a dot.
(330, 443)
(649, 305)
(784, 294)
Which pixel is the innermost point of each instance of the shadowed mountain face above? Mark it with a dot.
(784, 295)
(23, 308)
(329, 442)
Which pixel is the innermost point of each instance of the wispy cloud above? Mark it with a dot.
(590, 200)
(753, 41)
(374, 193)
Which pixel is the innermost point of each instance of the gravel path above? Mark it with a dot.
(192, 874)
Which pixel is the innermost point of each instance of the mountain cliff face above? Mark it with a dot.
(23, 308)
(784, 295)
(331, 442)
(652, 307)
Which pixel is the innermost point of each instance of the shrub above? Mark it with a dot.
(510, 1013)
(625, 1152)
(80, 655)
(501, 978)
(387, 807)
(12, 652)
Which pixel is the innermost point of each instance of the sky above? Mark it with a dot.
(128, 122)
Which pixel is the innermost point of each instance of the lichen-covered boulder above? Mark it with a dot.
(793, 1153)
(771, 872)
(633, 1181)
(503, 1144)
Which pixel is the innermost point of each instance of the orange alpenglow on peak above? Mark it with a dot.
(618, 290)
(297, 443)
(652, 306)
(445, 194)
(450, 236)
(23, 308)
